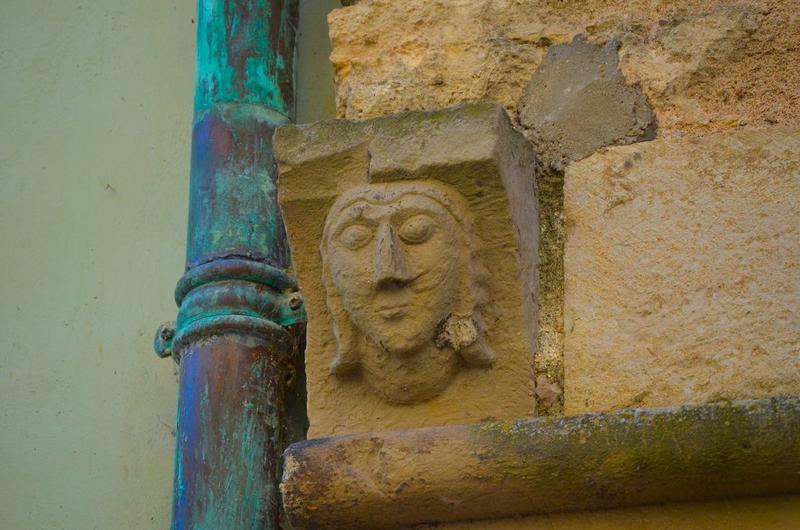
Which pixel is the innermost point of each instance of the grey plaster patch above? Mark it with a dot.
(579, 101)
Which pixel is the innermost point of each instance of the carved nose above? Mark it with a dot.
(391, 268)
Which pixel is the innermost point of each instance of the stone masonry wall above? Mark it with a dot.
(576, 76)
(682, 271)
(704, 64)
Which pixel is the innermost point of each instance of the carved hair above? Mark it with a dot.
(463, 330)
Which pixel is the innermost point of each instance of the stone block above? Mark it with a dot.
(704, 65)
(578, 101)
(414, 241)
(682, 271)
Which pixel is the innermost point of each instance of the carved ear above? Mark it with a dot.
(464, 334)
(477, 352)
(346, 359)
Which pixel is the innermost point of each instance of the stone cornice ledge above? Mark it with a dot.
(501, 469)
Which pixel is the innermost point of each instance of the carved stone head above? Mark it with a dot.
(404, 286)
(392, 223)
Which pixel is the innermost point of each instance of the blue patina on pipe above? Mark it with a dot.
(239, 331)
(244, 89)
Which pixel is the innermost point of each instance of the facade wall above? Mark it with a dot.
(703, 67)
(667, 267)
(95, 122)
(95, 116)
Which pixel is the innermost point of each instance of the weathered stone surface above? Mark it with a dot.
(414, 240)
(682, 271)
(685, 67)
(578, 101)
(778, 512)
(623, 458)
(405, 286)
(421, 55)
(705, 64)
(548, 364)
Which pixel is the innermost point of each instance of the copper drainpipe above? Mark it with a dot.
(240, 323)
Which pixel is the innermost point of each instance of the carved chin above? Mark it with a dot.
(398, 344)
(409, 379)
(416, 392)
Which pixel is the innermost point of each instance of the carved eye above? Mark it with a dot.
(355, 236)
(416, 229)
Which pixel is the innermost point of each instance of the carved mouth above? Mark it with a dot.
(393, 312)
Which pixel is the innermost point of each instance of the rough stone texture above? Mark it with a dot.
(762, 513)
(624, 458)
(405, 286)
(548, 365)
(578, 101)
(473, 150)
(682, 271)
(705, 64)
(421, 54)
(686, 66)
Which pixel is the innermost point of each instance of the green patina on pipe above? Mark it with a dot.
(240, 326)
(243, 58)
(244, 90)
(233, 198)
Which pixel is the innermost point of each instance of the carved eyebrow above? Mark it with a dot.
(413, 211)
(338, 219)
(354, 214)
(370, 199)
(353, 211)
(347, 218)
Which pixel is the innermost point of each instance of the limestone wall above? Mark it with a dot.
(704, 64)
(666, 70)
(682, 271)
(668, 139)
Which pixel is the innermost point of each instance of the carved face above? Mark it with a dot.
(396, 253)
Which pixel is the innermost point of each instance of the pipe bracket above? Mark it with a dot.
(231, 294)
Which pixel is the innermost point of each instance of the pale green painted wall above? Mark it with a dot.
(95, 117)
(316, 99)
